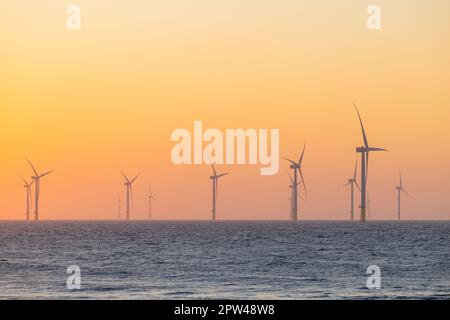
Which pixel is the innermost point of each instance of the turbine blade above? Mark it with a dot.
(124, 176)
(24, 181)
(44, 174)
(221, 175)
(356, 168)
(32, 167)
(30, 195)
(290, 177)
(303, 153)
(214, 169)
(303, 182)
(357, 185)
(366, 143)
(291, 161)
(134, 179)
(131, 194)
(367, 166)
(376, 149)
(217, 189)
(400, 174)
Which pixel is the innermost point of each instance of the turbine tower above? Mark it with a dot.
(214, 178)
(150, 198)
(296, 166)
(37, 188)
(400, 189)
(27, 186)
(365, 151)
(128, 185)
(291, 188)
(352, 182)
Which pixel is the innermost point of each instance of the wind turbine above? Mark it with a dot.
(365, 151)
(119, 205)
(150, 198)
(291, 188)
(128, 185)
(400, 189)
(352, 182)
(27, 186)
(214, 178)
(296, 166)
(37, 188)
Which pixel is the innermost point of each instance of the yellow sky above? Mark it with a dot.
(108, 96)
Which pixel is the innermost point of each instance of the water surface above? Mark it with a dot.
(224, 260)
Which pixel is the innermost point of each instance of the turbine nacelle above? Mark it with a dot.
(369, 149)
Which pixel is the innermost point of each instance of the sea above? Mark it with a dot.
(224, 260)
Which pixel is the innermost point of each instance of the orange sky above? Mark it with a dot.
(87, 103)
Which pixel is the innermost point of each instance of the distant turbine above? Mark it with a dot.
(364, 150)
(150, 197)
(296, 166)
(128, 185)
(27, 186)
(352, 182)
(400, 189)
(215, 177)
(291, 188)
(37, 188)
(119, 204)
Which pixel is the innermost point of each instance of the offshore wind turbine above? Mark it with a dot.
(37, 188)
(150, 197)
(214, 178)
(352, 182)
(119, 204)
(400, 189)
(129, 186)
(365, 151)
(27, 185)
(296, 166)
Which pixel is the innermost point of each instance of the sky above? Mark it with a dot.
(89, 102)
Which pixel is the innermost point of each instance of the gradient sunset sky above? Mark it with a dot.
(107, 97)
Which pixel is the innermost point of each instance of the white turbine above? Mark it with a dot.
(129, 192)
(352, 182)
(29, 197)
(214, 178)
(37, 188)
(297, 166)
(400, 189)
(364, 150)
(150, 197)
